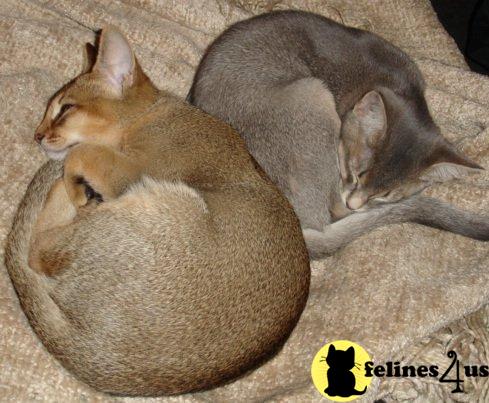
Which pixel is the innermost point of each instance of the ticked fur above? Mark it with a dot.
(191, 271)
(372, 149)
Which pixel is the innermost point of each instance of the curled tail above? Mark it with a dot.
(419, 209)
(32, 288)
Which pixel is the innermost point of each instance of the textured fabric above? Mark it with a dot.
(394, 291)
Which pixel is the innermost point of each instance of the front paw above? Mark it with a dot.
(76, 190)
(80, 191)
(338, 211)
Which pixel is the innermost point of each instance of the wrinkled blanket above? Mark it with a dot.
(404, 292)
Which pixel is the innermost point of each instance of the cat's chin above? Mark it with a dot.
(56, 155)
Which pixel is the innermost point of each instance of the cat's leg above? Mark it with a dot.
(307, 171)
(307, 194)
(438, 214)
(419, 209)
(340, 233)
(89, 171)
(58, 212)
(53, 230)
(58, 209)
(97, 171)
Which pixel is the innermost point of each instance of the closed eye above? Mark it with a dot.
(362, 174)
(65, 108)
(381, 196)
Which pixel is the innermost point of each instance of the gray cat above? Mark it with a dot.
(337, 118)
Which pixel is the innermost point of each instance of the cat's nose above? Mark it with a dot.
(38, 137)
(355, 201)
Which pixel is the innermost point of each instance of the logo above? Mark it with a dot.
(338, 371)
(342, 371)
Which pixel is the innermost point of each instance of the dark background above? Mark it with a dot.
(467, 21)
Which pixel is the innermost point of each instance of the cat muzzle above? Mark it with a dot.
(356, 200)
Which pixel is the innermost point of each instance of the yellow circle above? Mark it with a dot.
(343, 363)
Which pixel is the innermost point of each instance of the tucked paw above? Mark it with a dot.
(80, 191)
(339, 211)
(75, 188)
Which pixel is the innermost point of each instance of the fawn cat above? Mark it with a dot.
(191, 271)
(337, 118)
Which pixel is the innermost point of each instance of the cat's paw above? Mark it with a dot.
(76, 190)
(338, 211)
(81, 192)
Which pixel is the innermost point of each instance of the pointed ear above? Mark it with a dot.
(89, 57)
(331, 349)
(370, 113)
(449, 165)
(116, 63)
(351, 351)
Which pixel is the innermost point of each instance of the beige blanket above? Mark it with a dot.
(391, 291)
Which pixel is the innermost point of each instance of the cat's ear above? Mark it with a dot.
(89, 57)
(351, 351)
(449, 165)
(331, 349)
(371, 115)
(115, 63)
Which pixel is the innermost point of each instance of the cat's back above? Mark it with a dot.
(245, 210)
(187, 279)
(194, 274)
(245, 205)
(183, 143)
(276, 48)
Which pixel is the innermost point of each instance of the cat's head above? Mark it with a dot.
(390, 149)
(90, 108)
(341, 359)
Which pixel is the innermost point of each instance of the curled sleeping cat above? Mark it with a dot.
(192, 270)
(337, 118)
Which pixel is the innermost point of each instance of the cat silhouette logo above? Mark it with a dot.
(338, 371)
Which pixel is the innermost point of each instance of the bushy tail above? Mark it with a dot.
(33, 288)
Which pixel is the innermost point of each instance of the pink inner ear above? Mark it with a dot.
(89, 58)
(115, 59)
